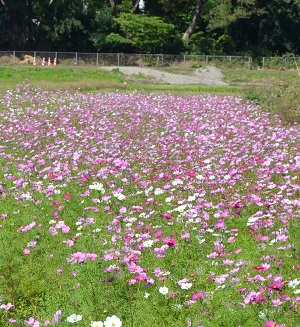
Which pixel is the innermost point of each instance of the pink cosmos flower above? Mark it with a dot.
(221, 279)
(220, 224)
(65, 229)
(281, 238)
(270, 323)
(277, 302)
(91, 256)
(26, 251)
(197, 296)
(69, 242)
(158, 233)
(32, 322)
(67, 196)
(213, 255)
(254, 297)
(6, 306)
(185, 235)
(32, 244)
(132, 267)
(78, 256)
(275, 286)
(169, 241)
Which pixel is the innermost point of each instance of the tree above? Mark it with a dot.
(16, 21)
(280, 29)
(146, 34)
(65, 25)
(237, 24)
(195, 19)
(104, 24)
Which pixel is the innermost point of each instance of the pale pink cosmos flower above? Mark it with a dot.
(277, 302)
(281, 238)
(213, 255)
(26, 251)
(32, 322)
(91, 256)
(6, 306)
(65, 229)
(221, 279)
(32, 244)
(78, 256)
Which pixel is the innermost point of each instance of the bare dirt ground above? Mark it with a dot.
(203, 76)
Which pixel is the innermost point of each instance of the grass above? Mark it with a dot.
(91, 79)
(64, 78)
(161, 209)
(276, 90)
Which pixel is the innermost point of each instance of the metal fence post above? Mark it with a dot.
(97, 59)
(206, 60)
(118, 60)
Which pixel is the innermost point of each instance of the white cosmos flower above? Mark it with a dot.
(148, 243)
(74, 318)
(96, 324)
(163, 290)
(112, 321)
(177, 182)
(186, 286)
(294, 283)
(169, 199)
(97, 187)
(158, 191)
(180, 208)
(119, 196)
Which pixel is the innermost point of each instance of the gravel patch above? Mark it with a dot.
(202, 76)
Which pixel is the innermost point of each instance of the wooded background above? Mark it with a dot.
(221, 27)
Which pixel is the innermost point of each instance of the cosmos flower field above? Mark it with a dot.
(133, 209)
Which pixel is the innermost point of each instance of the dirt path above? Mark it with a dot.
(202, 76)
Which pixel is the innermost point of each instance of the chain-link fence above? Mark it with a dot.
(119, 59)
(280, 62)
(140, 60)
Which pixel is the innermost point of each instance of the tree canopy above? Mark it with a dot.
(233, 27)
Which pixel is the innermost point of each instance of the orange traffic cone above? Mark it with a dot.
(54, 62)
(34, 61)
(49, 61)
(43, 61)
